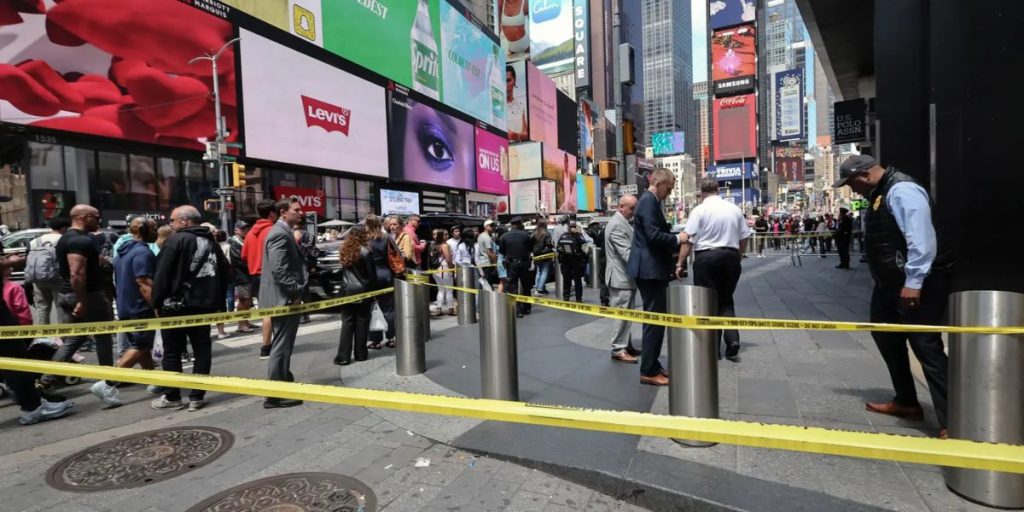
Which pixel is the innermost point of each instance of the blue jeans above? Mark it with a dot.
(543, 269)
(230, 298)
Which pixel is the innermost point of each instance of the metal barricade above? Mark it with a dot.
(986, 386)
(410, 352)
(692, 357)
(466, 277)
(499, 368)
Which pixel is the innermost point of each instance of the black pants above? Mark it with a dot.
(654, 293)
(355, 330)
(175, 341)
(843, 248)
(720, 270)
(21, 384)
(519, 281)
(886, 307)
(599, 275)
(387, 306)
(572, 278)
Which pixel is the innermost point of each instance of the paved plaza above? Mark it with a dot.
(789, 377)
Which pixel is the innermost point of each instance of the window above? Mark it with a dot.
(143, 188)
(170, 193)
(79, 166)
(47, 165)
(197, 187)
(112, 182)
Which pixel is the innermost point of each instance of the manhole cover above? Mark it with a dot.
(294, 492)
(140, 459)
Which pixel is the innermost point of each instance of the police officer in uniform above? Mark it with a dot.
(571, 259)
(516, 247)
(912, 268)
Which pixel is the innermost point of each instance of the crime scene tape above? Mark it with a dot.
(918, 450)
(172, 322)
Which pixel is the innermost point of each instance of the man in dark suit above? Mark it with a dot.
(650, 265)
(284, 268)
(843, 233)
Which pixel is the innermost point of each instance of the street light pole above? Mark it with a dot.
(221, 129)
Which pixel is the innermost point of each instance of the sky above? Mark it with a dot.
(698, 15)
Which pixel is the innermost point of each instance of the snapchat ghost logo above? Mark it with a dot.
(303, 22)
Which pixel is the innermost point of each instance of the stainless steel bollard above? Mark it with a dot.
(596, 269)
(986, 383)
(424, 291)
(410, 352)
(559, 283)
(499, 368)
(692, 357)
(465, 277)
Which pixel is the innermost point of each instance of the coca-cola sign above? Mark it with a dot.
(734, 101)
(331, 118)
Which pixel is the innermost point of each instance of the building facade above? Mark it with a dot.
(668, 70)
(702, 104)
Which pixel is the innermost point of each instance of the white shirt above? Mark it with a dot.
(716, 223)
(483, 244)
(462, 256)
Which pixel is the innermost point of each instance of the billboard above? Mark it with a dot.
(788, 93)
(516, 101)
(789, 163)
(330, 119)
(726, 13)
(543, 109)
(524, 197)
(560, 167)
(429, 146)
(397, 202)
(733, 194)
(524, 161)
(588, 193)
(668, 143)
(735, 127)
(311, 199)
(733, 171)
(491, 162)
(581, 42)
(473, 73)
(548, 197)
(568, 128)
(586, 121)
(513, 21)
(551, 34)
(75, 69)
(849, 117)
(733, 59)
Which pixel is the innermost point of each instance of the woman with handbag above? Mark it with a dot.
(358, 276)
(387, 263)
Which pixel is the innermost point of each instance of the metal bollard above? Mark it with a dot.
(465, 277)
(596, 269)
(986, 383)
(424, 291)
(410, 353)
(559, 283)
(499, 368)
(692, 358)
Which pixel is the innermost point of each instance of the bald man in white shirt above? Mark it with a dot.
(717, 232)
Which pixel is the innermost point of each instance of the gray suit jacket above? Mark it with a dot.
(284, 276)
(618, 238)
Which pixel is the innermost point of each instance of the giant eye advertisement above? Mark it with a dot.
(430, 146)
(328, 119)
(115, 68)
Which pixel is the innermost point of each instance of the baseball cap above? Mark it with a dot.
(243, 225)
(516, 220)
(852, 166)
(488, 222)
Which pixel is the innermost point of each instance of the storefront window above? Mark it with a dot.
(47, 164)
(112, 182)
(79, 167)
(170, 193)
(197, 187)
(143, 188)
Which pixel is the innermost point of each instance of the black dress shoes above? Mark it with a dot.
(278, 403)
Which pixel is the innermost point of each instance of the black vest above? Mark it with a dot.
(885, 244)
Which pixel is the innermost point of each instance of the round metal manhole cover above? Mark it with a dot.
(140, 459)
(294, 492)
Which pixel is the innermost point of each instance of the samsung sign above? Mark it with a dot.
(728, 172)
(581, 42)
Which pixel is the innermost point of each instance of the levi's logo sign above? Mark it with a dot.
(331, 118)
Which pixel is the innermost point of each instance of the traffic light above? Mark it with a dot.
(628, 137)
(238, 175)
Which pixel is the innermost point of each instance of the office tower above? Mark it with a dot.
(668, 70)
(701, 103)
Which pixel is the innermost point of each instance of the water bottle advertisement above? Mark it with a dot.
(473, 73)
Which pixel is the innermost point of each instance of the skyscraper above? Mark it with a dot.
(484, 10)
(668, 70)
(701, 103)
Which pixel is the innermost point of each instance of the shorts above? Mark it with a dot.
(140, 340)
(243, 291)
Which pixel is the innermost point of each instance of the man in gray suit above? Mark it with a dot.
(285, 279)
(618, 239)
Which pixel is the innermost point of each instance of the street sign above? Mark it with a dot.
(228, 191)
(229, 158)
(627, 189)
(237, 145)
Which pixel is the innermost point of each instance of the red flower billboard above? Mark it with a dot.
(735, 127)
(115, 68)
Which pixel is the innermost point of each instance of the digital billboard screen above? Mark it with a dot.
(568, 127)
(560, 167)
(789, 163)
(492, 162)
(513, 19)
(525, 161)
(74, 68)
(329, 119)
(428, 145)
(726, 13)
(788, 88)
(735, 127)
(524, 196)
(733, 171)
(668, 143)
(516, 102)
(398, 202)
(542, 106)
(474, 68)
(551, 34)
(586, 122)
(733, 55)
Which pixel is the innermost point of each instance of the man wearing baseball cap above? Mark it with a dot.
(912, 267)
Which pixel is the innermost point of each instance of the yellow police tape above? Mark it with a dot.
(952, 452)
(172, 322)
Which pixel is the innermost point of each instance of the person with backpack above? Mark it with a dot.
(542, 246)
(41, 269)
(571, 260)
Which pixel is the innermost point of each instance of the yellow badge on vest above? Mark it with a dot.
(878, 203)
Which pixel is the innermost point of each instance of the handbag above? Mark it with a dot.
(377, 320)
(352, 283)
(395, 259)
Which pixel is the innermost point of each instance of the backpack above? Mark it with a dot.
(435, 256)
(568, 246)
(41, 265)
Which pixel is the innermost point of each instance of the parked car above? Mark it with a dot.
(17, 243)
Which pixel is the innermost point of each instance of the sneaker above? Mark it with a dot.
(89, 346)
(49, 392)
(264, 352)
(107, 393)
(186, 357)
(195, 405)
(46, 411)
(222, 335)
(163, 403)
(154, 390)
(535, 293)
